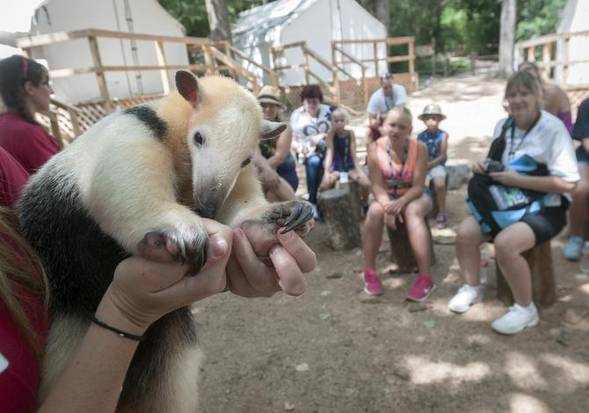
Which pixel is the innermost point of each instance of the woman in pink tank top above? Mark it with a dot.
(397, 166)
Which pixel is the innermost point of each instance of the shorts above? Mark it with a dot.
(438, 171)
(582, 155)
(547, 223)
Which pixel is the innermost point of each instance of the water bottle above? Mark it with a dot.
(584, 261)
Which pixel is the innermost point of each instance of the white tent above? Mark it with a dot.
(317, 22)
(575, 18)
(137, 16)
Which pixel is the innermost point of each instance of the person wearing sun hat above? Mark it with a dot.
(276, 165)
(436, 141)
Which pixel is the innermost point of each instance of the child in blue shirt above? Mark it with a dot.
(436, 141)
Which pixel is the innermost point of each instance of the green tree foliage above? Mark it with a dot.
(192, 14)
(538, 17)
(458, 26)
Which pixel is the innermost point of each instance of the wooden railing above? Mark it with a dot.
(237, 55)
(308, 57)
(212, 57)
(336, 53)
(552, 52)
(376, 59)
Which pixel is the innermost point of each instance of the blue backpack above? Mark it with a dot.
(496, 206)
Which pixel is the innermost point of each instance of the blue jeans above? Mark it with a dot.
(314, 172)
(288, 171)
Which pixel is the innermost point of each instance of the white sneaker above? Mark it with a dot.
(517, 319)
(465, 298)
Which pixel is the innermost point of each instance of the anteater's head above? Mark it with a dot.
(224, 128)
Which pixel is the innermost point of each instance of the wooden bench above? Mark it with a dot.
(539, 259)
(341, 210)
(401, 251)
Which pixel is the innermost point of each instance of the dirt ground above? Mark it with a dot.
(335, 350)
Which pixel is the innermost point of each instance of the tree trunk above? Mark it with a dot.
(383, 12)
(507, 36)
(218, 20)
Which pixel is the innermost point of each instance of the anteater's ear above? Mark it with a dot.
(187, 86)
(272, 129)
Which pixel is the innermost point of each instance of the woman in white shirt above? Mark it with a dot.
(309, 125)
(541, 136)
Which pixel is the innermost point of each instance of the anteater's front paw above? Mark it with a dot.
(187, 244)
(292, 215)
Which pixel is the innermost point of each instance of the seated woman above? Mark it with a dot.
(397, 166)
(309, 125)
(340, 160)
(275, 163)
(580, 201)
(538, 135)
(556, 101)
(25, 90)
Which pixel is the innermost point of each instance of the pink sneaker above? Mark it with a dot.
(372, 284)
(421, 288)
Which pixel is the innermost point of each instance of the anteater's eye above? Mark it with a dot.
(246, 162)
(198, 139)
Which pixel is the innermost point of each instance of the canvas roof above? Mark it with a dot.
(266, 21)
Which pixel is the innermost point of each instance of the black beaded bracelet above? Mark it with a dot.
(120, 333)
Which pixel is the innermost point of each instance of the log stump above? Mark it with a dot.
(341, 211)
(539, 259)
(401, 251)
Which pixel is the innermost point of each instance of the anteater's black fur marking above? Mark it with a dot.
(150, 118)
(80, 261)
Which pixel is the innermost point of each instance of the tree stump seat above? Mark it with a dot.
(341, 208)
(401, 251)
(539, 259)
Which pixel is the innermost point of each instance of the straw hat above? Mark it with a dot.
(270, 94)
(432, 109)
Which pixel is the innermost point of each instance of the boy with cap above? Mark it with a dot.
(436, 141)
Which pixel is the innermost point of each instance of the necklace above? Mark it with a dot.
(402, 158)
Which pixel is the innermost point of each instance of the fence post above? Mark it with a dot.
(547, 59)
(375, 53)
(306, 59)
(565, 71)
(209, 62)
(472, 59)
(161, 61)
(412, 58)
(100, 78)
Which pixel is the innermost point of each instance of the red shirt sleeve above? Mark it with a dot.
(29, 144)
(13, 178)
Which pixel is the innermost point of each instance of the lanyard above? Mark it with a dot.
(512, 149)
(405, 155)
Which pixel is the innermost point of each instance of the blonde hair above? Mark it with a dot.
(403, 111)
(524, 79)
(20, 268)
(339, 112)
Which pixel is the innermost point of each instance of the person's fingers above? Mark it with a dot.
(258, 274)
(210, 280)
(291, 279)
(236, 280)
(305, 257)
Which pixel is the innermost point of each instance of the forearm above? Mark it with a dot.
(544, 183)
(413, 193)
(94, 376)
(435, 162)
(585, 143)
(278, 158)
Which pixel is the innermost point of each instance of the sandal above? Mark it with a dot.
(441, 220)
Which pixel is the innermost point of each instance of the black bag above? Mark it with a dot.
(496, 206)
